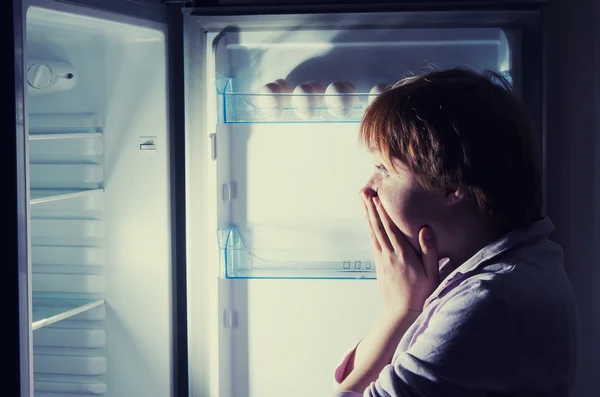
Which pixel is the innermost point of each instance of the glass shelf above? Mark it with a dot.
(242, 108)
(237, 107)
(38, 196)
(239, 261)
(47, 311)
(72, 135)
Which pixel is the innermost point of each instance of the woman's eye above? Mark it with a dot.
(383, 173)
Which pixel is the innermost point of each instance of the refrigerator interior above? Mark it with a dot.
(99, 203)
(296, 287)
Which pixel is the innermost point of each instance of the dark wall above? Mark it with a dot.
(573, 149)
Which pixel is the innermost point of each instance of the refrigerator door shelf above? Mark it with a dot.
(331, 74)
(62, 123)
(49, 175)
(238, 261)
(39, 196)
(279, 108)
(74, 135)
(245, 107)
(49, 311)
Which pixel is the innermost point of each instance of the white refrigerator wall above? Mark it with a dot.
(113, 244)
(285, 336)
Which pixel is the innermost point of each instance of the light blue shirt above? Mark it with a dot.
(502, 324)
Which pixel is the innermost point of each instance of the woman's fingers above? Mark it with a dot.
(377, 227)
(371, 231)
(397, 240)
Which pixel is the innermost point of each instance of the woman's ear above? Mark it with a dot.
(454, 196)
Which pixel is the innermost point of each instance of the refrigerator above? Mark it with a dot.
(188, 219)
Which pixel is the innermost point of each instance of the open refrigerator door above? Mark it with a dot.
(99, 202)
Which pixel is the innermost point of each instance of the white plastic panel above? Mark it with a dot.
(69, 256)
(287, 329)
(67, 227)
(88, 338)
(50, 389)
(68, 176)
(69, 365)
(69, 283)
(296, 202)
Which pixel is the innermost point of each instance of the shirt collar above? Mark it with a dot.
(539, 229)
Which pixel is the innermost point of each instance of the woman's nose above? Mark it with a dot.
(370, 189)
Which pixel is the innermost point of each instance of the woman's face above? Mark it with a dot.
(409, 205)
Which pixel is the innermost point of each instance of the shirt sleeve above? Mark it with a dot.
(465, 349)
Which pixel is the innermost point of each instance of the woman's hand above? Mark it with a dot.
(406, 279)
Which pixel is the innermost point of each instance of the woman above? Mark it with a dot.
(457, 178)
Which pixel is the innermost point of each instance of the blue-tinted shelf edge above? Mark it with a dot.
(39, 196)
(49, 311)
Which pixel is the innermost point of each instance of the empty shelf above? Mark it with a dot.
(239, 261)
(49, 311)
(303, 274)
(38, 196)
(73, 123)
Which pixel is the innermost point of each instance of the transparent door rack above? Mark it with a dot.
(238, 261)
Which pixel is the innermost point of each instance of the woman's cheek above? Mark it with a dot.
(396, 208)
(409, 211)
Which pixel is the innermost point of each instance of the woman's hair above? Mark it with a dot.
(460, 128)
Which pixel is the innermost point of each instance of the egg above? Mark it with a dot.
(305, 102)
(337, 99)
(287, 88)
(376, 90)
(268, 103)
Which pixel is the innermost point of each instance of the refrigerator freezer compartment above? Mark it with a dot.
(47, 311)
(240, 261)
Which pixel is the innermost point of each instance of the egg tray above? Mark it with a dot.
(278, 108)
